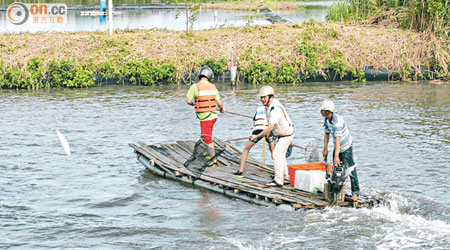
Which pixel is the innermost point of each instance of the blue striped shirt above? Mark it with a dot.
(338, 128)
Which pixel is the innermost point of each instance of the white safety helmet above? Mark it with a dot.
(266, 90)
(327, 105)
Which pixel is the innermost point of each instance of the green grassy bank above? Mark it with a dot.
(279, 53)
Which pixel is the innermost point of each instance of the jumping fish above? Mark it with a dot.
(64, 142)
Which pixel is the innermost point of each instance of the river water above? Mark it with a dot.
(101, 197)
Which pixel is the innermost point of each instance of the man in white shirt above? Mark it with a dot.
(280, 125)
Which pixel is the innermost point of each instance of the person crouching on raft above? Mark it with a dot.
(206, 97)
(335, 125)
(280, 125)
(259, 124)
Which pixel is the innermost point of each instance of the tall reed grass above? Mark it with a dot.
(420, 15)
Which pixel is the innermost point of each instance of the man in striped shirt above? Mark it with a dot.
(335, 125)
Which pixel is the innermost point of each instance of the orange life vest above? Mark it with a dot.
(206, 100)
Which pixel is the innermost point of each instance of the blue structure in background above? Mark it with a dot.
(102, 5)
(102, 8)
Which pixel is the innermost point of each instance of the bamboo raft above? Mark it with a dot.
(168, 161)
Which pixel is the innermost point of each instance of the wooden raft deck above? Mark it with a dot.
(168, 161)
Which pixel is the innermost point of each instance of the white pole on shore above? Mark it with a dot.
(233, 69)
(110, 17)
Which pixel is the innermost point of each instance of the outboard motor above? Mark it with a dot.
(336, 183)
(337, 179)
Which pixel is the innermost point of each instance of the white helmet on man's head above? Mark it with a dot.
(327, 105)
(266, 90)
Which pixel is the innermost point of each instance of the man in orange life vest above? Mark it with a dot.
(206, 96)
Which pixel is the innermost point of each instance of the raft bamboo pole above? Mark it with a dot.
(155, 161)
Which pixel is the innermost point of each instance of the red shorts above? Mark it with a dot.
(206, 130)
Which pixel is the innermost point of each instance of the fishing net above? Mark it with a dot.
(289, 151)
(312, 151)
(200, 158)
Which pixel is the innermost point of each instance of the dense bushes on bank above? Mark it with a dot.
(66, 73)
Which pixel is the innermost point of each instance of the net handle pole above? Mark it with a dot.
(298, 146)
(243, 115)
(239, 114)
(264, 152)
(237, 139)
